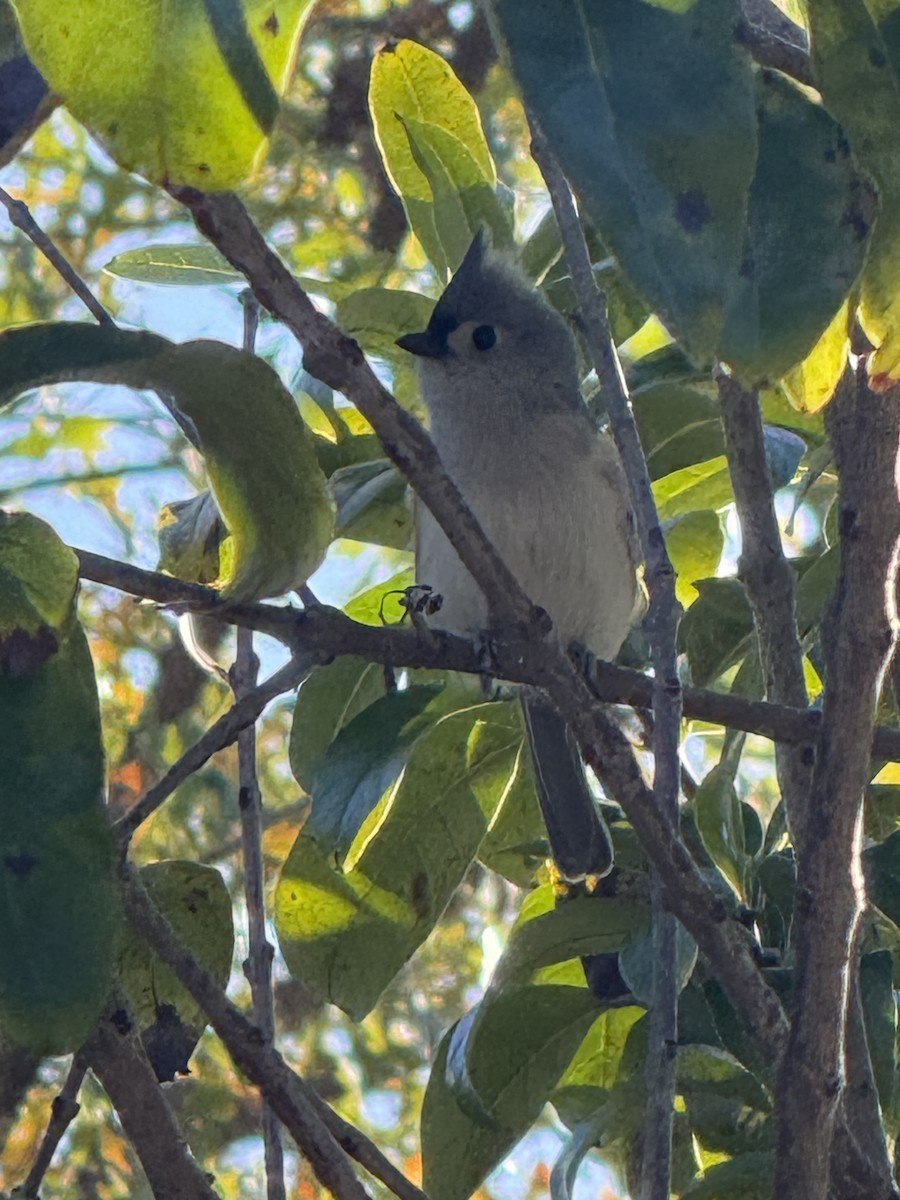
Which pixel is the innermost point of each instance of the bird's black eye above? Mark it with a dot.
(484, 336)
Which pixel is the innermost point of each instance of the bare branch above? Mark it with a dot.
(661, 623)
(22, 219)
(117, 1058)
(775, 41)
(319, 1133)
(220, 734)
(769, 580)
(323, 633)
(258, 965)
(63, 1111)
(857, 643)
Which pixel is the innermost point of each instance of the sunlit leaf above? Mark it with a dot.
(280, 518)
(429, 133)
(346, 924)
(523, 1043)
(856, 52)
(695, 543)
(182, 93)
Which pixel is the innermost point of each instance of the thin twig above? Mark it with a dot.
(220, 734)
(320, 1134)
(258, 965)
(775, 41)
(769, 580)
(63, 1112)
(22, 219)
(322, 633)
(661, 623)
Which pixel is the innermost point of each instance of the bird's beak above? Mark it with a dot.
(426, 344)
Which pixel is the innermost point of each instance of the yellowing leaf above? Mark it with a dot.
(810, 385)
(260, 456)
(429, 133)
(38, 577)
(180, 91)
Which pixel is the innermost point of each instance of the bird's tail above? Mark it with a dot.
(579, 840)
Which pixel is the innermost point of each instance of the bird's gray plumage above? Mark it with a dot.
(499, 376)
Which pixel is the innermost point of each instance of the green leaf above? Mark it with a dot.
(515, 844)
(710, 1069)
(377, 316)
(727, 197)
(38, 578)
(746, 1177)
(652, 117)
(808, 222)
(195, 902)
(695, 543)
(679, 427)
(362, 761)
(383, 602)
(717, 630)
(876, 980)
(600, 1059)
(702, 485)
(327, 702)
(810, 385)
(518, 1050)
(881, 864)
(720, 823)
(177, 264)
(636, 963)
(347, 925)
(856, 52)
(59, 907)
(372, 506)
(280, 518)
(777, 875)
(434, 150)
(195, 264)
(547, 933)
(185, 93)
(815, 588)
(190, 534)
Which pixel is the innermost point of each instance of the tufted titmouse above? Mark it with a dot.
(500, 380)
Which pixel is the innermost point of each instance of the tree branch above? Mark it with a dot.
(775, 41)
(117, 1058)
(258, 965)
(22, 219)
(319, 1133)
(63, 1111)
(857, 643)
(322, 633)
(242, 714)
(661, 624)
(769, 581)
(861, 1167)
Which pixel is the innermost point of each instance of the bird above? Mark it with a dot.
(500, 381)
